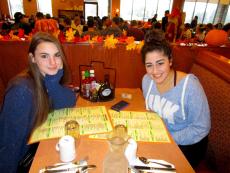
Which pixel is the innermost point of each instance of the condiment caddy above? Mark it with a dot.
(93, 86)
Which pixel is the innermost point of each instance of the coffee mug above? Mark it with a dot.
(66, 148)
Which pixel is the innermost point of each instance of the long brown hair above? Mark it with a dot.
(42, 104)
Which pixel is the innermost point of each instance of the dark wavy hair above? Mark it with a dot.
(155, 41)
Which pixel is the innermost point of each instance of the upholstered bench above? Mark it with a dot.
(213, 71)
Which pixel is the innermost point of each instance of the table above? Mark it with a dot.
(95, 149)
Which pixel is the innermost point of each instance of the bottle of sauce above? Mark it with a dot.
(93, 89)
(106, 91)
(86, 93)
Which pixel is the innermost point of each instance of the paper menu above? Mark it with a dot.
(142, 126)
(91, 119)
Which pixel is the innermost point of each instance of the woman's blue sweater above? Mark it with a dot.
(18, 114)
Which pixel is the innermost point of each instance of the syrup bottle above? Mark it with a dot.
(106, 92)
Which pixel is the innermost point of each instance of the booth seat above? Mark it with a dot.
(213, 71)
(224, 51)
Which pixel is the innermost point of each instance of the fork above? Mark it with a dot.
(146, 161)
(80, 162)
(86, 168)
(83, 169)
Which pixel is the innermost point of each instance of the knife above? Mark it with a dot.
(69, 169)
(153, 168)
(59, 170)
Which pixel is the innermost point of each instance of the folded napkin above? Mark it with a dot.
(138, 162)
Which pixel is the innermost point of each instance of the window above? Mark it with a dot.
(126, 13)
(199, 11)
(96, 8)
(161, 8)
(138, 10)
(210, 13)
(90, 9)
(15, 6)
(227, 19)
(103, 8)
(45, 6)
(151, 9)
(188, 9)
(144, 9)
(206, 10)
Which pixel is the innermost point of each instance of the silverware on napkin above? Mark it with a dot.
(147, 161)
(73, 168)
(153, 168)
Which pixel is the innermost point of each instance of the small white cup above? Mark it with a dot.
(66, 148)
(131, 151)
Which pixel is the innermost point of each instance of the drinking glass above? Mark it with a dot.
(72, 128)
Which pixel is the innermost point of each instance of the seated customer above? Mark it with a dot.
(29, 98)
(134, 31)
(113, 29)
(76, 24)
(92, 32)
(21, 23)
(106, 22)
(178, 98)
(186, 33)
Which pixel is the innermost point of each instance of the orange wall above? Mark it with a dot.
(30, 7)
(65, 5)
(4, 7)
(115, 5)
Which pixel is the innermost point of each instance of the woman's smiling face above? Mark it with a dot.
(157, 65)
(48, 58)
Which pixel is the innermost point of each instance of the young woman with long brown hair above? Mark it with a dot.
(30, 96)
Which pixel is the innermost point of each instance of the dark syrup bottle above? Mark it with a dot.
(106, 91)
